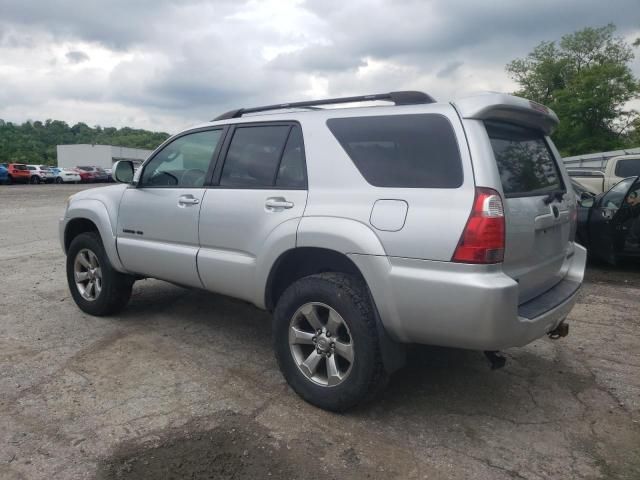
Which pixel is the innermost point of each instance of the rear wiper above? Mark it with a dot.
(555, 195)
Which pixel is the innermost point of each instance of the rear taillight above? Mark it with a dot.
(483, 238)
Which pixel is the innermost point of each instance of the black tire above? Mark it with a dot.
(9, 180)
(59, 180)
(116, 287)
(349, 297)
(34, 180)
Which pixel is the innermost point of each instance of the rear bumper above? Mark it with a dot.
(465, 306)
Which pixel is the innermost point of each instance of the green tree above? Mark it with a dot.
(586, 79)
(35, 142)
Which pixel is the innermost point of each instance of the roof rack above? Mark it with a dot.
(399, 98)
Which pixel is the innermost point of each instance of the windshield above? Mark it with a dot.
(525, 162)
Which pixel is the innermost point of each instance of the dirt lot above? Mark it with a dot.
(183, 384)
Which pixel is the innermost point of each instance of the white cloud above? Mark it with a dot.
(164, 64)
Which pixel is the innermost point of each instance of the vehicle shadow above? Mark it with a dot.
(627, 271)
(435, 382)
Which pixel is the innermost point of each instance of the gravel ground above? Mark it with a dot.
(183, 384)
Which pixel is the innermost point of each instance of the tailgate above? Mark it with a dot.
(537, 211)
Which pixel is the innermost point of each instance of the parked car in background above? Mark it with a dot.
(41, 174)
(4, 173)
(109, 172)
(18, 173)
(600, 175)
(99, 175)
(361, 229)
(85, 175)
(66, 175)
(609, 223)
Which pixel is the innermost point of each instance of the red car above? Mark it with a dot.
(18, 173)
(85, 176)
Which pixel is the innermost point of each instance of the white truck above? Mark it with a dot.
(600, 173)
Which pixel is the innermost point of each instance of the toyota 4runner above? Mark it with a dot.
(362, 229)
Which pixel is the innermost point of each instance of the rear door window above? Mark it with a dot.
(406, 151)
(525, 162)
(628, 167)
(257, 158)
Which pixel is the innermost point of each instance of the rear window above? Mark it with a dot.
(525, 163)
(407, 151)
(629, 167)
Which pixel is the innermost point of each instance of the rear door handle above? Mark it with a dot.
(187, 200)
(277, 203)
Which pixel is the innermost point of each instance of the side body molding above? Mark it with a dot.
(97, 212)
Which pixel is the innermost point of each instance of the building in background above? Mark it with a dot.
(104, 156)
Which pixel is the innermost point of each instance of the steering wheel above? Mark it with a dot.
(193, 177)
(163, 178)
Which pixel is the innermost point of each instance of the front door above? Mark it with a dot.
(253, 207)
(158, 218)
(612, 221)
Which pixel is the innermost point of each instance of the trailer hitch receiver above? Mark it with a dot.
(561, 330)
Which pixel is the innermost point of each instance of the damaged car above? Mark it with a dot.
(609, 223)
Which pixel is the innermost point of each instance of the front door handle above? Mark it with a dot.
(187, 200)
(277, 204)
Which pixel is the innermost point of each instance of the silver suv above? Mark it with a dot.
(361, 229)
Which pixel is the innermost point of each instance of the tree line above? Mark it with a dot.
(587, 80)
(35, 141)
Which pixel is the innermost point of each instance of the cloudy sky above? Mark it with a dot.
(167, 64)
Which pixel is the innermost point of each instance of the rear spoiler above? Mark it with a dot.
(508, 108)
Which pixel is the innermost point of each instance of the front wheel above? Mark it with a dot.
(34, 180)
(59, 180)
(95, 286)
(326, 341)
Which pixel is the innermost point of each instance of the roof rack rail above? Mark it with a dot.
(399, 98)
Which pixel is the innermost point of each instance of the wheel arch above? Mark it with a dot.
(300, 262)
(92, 215)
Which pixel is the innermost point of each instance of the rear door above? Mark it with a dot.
(253, 208)
(158, 218)
(537, 207)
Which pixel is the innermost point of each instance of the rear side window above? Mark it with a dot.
(525, 163)
(407, 151)
(629, 167)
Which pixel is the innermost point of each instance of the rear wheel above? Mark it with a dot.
(326, 341)
(34, 180)
(59, 180)
(96, 287)
(9, 180)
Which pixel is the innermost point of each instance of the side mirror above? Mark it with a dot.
(586, 200)
(123, 171)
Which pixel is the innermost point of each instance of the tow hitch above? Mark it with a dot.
(496, 359)
(561, 330)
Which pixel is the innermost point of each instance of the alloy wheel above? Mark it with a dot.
(321, 344)
(87, 274)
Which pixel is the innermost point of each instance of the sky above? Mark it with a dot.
(168, 64)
